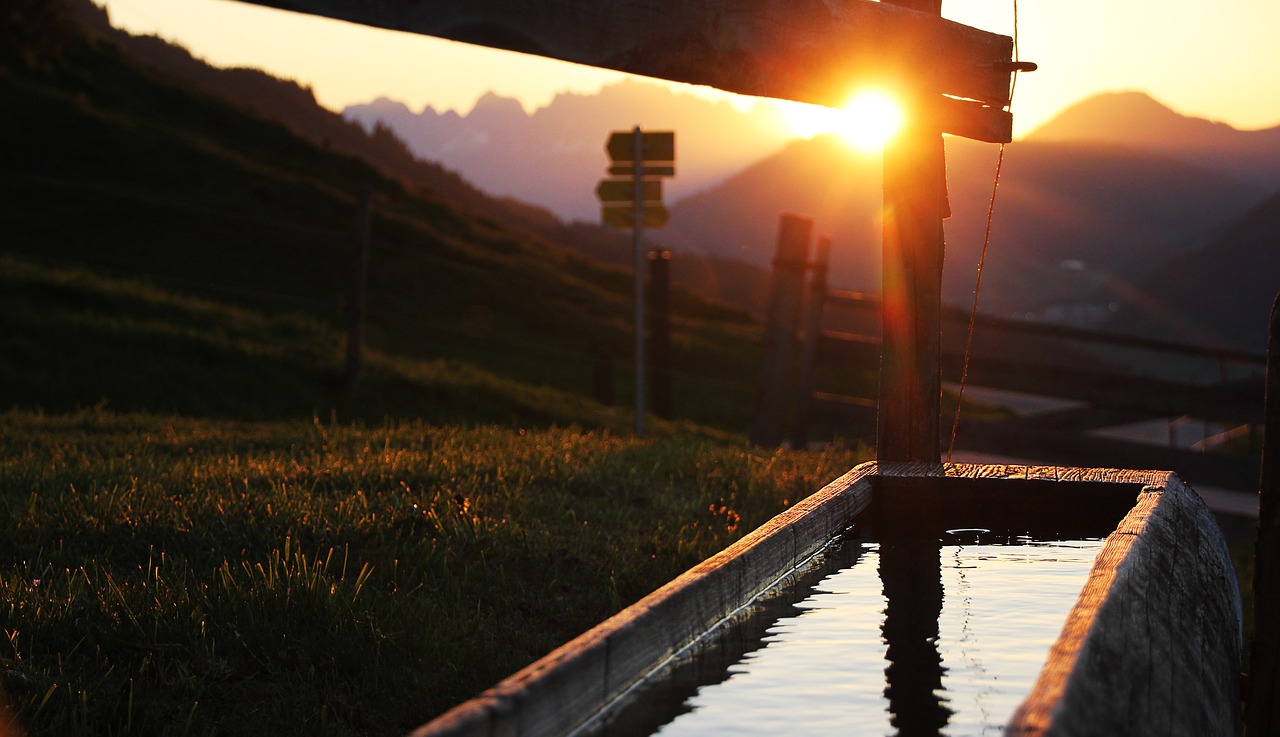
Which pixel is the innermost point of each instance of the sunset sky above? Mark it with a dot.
(1215, 60)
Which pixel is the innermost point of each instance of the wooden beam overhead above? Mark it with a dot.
(811, 51)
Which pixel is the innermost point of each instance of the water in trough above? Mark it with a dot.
(926, 635)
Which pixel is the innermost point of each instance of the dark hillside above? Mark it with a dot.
(1221, 293)
(295, 106)
(130, 173)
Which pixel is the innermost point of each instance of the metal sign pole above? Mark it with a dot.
(635, 203)
(637, 247)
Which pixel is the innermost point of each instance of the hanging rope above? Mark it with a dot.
(982, 257)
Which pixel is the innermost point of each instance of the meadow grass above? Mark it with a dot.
(161, 575)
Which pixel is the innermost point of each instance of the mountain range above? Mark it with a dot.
(1136, 120)
(553, 156)
(1087, 206)
(1068, 218)
(1084, 217)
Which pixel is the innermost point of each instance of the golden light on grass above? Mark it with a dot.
(866, 122)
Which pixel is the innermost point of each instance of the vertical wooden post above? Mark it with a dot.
(813, 307)
(359, 295)
(785, 293)
(1262, 705)
(660, 331)
(908, 419)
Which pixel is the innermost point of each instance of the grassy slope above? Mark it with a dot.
(124, 172)
(169, 576)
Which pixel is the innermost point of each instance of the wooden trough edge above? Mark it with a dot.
(567, 687)
(1152, 645)
(1144, 650)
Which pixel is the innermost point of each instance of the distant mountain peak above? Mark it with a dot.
(386, 105)
(495, 105)
(1128, 117)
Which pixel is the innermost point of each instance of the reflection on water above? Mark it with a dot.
(914, 599)
(947, 644)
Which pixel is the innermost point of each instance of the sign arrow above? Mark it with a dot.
(657, 146)
(655, 216)
(624, 190)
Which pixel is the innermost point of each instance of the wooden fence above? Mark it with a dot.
(1099, 379)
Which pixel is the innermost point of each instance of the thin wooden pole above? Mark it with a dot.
(1262, 705)
(359, 295)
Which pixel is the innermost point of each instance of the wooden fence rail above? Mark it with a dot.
(1105, 376)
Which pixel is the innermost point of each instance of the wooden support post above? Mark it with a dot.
(813, 307)
(908, 423)
(660, 332)
(359, 295)
(785, 293)
(1262, 705)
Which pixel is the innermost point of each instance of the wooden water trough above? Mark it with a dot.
(1151, 647)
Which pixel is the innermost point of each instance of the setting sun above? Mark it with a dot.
(866, 122)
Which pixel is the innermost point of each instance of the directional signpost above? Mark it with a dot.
(636, 202)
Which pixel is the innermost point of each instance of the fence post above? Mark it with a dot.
(777, 363)
(359, 295)
(660, 331)
(809, 350)
(1262, 704)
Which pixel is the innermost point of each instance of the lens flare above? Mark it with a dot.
(868, 121)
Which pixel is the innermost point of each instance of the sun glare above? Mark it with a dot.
(866, 122)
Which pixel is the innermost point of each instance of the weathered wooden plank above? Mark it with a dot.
(1066, 474)
(1152, 644)
(1233, 402)
(1042, 472)
(1077, 419)
(1112, 390)
(970, 119)
(871, 302)
(805, 50)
